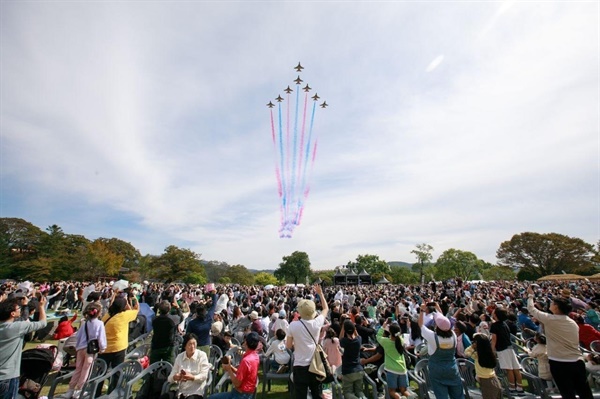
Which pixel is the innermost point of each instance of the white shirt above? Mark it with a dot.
(198, 366)
(304, 344)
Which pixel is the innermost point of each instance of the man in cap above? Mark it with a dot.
(245, 376)
(11, 342)
(302, 336)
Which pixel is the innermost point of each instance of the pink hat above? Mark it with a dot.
(441, 322)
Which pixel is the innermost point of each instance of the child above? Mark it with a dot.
(394, 364)
(331, 346)
(352, 369)
(281, 355)
(65, 327)
(485, 362)
(592, 366)
(539, 352)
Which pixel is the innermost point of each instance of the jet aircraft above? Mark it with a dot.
(279, 99)
(298, 80)
(324, 104)
(288, 90)
(315, 97)
(270, 104)
(299, 67)
(306, 88)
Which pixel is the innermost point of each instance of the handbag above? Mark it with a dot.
(93, 346)
(319, 365)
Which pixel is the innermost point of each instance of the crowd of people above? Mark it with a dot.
(359, 328)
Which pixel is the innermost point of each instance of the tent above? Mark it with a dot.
(555, 277)
(383, 281)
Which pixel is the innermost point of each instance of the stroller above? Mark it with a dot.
(36, 365)
(67, 347)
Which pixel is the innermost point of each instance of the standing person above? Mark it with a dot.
(562, 336)
(302, 337)
(163, 338)
(245, 376)
(116, 324)
(485, 362)
(331, 346)
(200, 326)
(501, 344)
(91, 328)
(352, 370)
(389, 337)
(11, 342)
(441, 346)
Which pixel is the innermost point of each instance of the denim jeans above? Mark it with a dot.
(9, 388)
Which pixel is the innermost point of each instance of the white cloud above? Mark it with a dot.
(156, 115)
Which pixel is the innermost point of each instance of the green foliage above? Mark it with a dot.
(326, 276)
(224, 280)
(544, 254)
(496, 273)
(216, 270)
(240, 275)
(131, 255)
(102, 261)
(294, 268)
(371, 264)
(456, 263)
(402, 275)
(175, 264)
(262, 278)
(19, 242)
(424, 256)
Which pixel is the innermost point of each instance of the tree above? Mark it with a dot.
(178, 264)
(371, 264)
(102, 261)
(294, 268)
(423, 254)
(497, 273)
(544, 254)
(402, 275)
(19, 241)
(456, 263)
(215, 270)
(240, 275)
(130, 254)
(263, 278)
(326, 276)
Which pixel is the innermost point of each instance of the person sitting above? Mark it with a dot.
(277, 349)
(245, 376)
(65, 327)
(190, 371)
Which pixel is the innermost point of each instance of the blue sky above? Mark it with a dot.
(456, 124)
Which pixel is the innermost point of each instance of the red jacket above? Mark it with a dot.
(65, 328)
(587, 334)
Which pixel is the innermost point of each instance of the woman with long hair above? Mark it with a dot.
(441, 346)
(389, 337)
(90, 328)
(485, 363)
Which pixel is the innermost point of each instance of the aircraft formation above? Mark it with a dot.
(295, 143)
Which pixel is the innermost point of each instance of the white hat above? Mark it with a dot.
(254, 315)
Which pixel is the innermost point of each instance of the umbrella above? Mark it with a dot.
(120, 285)
(269, 287)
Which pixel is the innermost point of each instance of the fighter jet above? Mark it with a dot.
(306, 88)
(299, 67)
(279, 99)
(315, 97)
(288, 90)
(298, 80)
(324, 104)
(270, 104)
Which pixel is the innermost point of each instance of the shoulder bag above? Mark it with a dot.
(319, 365)
(93, 345)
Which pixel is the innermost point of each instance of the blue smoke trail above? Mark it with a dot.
(306, 158)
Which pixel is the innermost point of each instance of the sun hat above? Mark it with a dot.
(254, 315)
(306, 308)
(441, 322)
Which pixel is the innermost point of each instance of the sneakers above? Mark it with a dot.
(77, 394)
(68, 394)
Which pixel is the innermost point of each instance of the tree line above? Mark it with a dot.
(28, 252)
